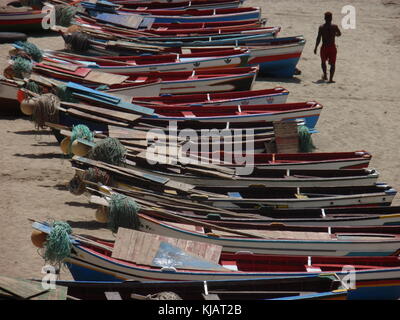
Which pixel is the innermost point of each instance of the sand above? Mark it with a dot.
(360, 112)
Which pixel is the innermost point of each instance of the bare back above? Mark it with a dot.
(328, 32)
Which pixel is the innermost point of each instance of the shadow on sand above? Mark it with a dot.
(284, 80)
(81, 204)
(87, 225)
(48, 155)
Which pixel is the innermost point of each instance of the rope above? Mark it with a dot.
(164, 295)
(45, 110)
(122, 213)
(80, 131)
(64, 93)
(33, 86)
(77, 42)
(21, 67)
(58, 245)
(98, 175)
(32, 50)
(76, 186)
(108, 150)
(64, 14)
(305, 141)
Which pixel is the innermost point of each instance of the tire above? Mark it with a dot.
(10, 37)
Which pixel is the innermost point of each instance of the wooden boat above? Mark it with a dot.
(329, 217)
(275, 57)
(253, 177)
(151, 26)
(233, 37)
(380, 194)
(170, 28)
(168, 16)
(181, 5)
(98, 260)
(310, 287)
(20, 19)
(263, 216)
(316, 160)
(231, 197)
(169, 62)
(277, 95)
(8, 96)
(186, 82)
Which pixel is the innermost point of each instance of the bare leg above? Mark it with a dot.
(323, 65)
(332, 72)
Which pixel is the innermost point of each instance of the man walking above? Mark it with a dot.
(327, 32)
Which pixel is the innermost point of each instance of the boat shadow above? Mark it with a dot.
(284, 80)
(81, 204)
(47, 155)
(87, 225)
(33, 132)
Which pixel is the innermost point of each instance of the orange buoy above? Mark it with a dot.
(38, 238)
(102, 214)
(79, 149)
(64, 145)
(27, 106)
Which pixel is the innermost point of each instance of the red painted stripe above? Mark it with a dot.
(275, 57)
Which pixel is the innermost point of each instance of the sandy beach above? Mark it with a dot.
(360, 113)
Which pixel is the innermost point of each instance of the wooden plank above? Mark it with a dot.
(286, 137)
(126, 249)
(96, 118)
(210, 296)
(122, 242)
(112, 295)
(64, 66)
(118, 115)
(105, 78)
(19, 288)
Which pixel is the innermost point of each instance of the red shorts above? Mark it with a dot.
(329, 53)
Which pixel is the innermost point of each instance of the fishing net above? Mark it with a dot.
(77, 42)
(80, 131)
(58, 245)
(45, 110)
(109, 150)
(21, 67)
(65, 94)
(64, 14)
(32, 50)
(97, 175)
(76, 186)
(305, 141)
(122, 213)
(33, 86)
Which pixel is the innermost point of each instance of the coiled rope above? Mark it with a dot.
(64, 14)
(108, 150)
(45, 110)
(122, 213)
(58, 245)
(21, 67)
(32, 50)
(77, 184)
(65, 94)
(305, 141)
(77, 42)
